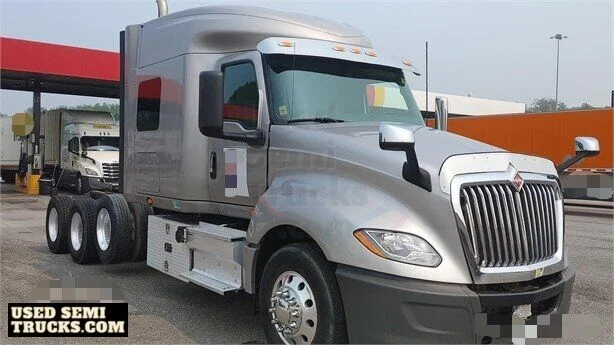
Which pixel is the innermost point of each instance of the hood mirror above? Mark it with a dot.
(584, 147)
(399, 137)
(395, 137)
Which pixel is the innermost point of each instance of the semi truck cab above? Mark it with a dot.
(282, 155)
(92, 152)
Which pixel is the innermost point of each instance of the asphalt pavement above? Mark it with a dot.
(165, 310)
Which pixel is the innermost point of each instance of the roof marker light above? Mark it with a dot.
(371, 53)
(339, 48)
(355, 50)
(286, 44)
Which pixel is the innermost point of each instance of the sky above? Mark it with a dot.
(493, 49)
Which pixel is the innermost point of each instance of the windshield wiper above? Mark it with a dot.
(316, 119)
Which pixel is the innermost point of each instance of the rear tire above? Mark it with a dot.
(82, 234)
(113, 229)
(57, 223)
(140, 213)
(299, 272)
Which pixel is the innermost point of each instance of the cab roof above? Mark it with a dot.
(226, 29)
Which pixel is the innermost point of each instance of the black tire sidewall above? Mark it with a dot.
(121, 228)
(306, 260)
(85, 208)
(62, 205)
(139, 213)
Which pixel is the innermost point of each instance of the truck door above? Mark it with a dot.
(72, 157)
(237, 170)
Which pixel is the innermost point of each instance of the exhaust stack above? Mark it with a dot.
(441, 113)
(162, 8)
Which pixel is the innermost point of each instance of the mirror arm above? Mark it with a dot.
(571, 161)
(255, 138)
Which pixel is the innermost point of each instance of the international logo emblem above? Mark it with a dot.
(515, 177)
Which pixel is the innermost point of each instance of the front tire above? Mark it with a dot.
(57, 223)
(299, 298)
(113, 229)
(82, 234)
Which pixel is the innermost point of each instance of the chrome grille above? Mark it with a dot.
(510, 228)
(110, 170)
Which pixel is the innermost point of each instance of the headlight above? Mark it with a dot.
(91, 172)
(399, 246)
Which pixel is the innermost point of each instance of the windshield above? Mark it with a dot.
(333, 90)
(100, 143)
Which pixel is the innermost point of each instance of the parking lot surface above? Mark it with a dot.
(165, 310)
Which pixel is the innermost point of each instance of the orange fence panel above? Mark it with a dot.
(549, 135)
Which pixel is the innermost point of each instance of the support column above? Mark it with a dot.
(36, 114)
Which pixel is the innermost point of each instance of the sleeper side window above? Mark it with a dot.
(148, 107)
(241, 95)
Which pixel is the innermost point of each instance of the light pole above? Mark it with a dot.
(558, 38)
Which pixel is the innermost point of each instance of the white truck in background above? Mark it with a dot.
(81, 149)
(10, 150)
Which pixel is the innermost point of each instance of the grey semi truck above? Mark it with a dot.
(282, 155)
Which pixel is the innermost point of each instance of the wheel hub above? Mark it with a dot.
(293, 310)
(76, 231)
(53, 224)
(103, 229)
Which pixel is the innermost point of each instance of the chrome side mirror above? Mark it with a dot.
(394, 137)
(441, 112)
(584, 147)
(398, 137)
(588, 146)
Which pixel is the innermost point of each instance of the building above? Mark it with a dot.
(467, 106)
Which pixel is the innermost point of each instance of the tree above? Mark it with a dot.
(543, 105)
(30, 110)
(584, 106)
(112, 108)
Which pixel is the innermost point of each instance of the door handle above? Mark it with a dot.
(212, 165)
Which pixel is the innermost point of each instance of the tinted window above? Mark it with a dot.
(148, 108)
(241, 95)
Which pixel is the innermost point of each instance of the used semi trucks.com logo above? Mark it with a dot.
(68, 320)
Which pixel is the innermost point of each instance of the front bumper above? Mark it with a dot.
(382, 308)
(99, 183)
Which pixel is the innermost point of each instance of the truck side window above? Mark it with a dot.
(73, 145)
(241, 95)
(148, 107)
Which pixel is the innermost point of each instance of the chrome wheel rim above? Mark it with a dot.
(103, 229)
(76, 231)
(293, 309)
(53, 225)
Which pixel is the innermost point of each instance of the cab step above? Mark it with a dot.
(210, 283)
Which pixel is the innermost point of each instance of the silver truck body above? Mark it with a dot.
(328, 180)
